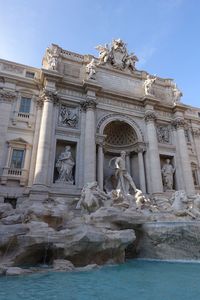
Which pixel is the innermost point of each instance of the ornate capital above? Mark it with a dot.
(49, 96)
(139, 148)
(88, 104)
(150, 116)
(178, 123)
(196, 132)
(7, 96)
(100, 140)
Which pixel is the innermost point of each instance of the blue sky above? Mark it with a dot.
(164, 34)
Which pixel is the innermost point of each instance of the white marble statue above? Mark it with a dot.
(124, 178)
(91, 69)
(130, 61)
(64, 165)
(180, 204)
(167, 175)
(117, 55)
(104, 53)
(177, 94)
(91, 198)
(148, 85)
(52, 57)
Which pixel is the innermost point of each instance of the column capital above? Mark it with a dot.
(48, 96)
(89, 104)
(7, 96)
(140, 147)
(100, 140)
(178, 123)
(196, 132)
(150, 116)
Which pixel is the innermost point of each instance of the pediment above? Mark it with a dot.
(18, 141)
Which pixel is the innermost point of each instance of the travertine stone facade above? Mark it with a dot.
(95, 108)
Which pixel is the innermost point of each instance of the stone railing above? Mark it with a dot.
(14, 174)
(22, 117)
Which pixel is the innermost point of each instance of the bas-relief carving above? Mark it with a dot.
(163, 134)
(7, 96)
(64, 165)
(68, 116)
(117, 55)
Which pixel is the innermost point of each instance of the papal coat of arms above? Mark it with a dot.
(117, 55)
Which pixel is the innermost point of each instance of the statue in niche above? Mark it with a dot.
(64, 165)
(148, 85)
(177, 94)
(124, 178)
(163, 134)
(91, 69)
(167, 175)
(68, 116)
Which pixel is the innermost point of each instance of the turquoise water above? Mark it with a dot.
(143, 280)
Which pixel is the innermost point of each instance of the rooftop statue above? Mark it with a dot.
(117, 55)
(148, 85)
(177, 94)
(51, 58)
(91, 69)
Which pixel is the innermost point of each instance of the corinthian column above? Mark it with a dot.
(140, 149)
(100, 142)
(196, 135)
(6, 100)
(153, 153)
(182, 152)
(44, 142)
(90, 144)
(35, 140)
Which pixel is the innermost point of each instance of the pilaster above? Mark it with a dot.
(49, 98)
(184, 168)
(153, 152)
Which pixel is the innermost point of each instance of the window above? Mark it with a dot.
(30, 74)
(199, 114)
(17, 159)
(25, 105)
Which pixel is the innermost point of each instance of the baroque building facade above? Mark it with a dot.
(61, 126)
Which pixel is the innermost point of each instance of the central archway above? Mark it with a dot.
(119, 136)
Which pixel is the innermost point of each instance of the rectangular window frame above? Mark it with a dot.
(21, 165)
(25, 105)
